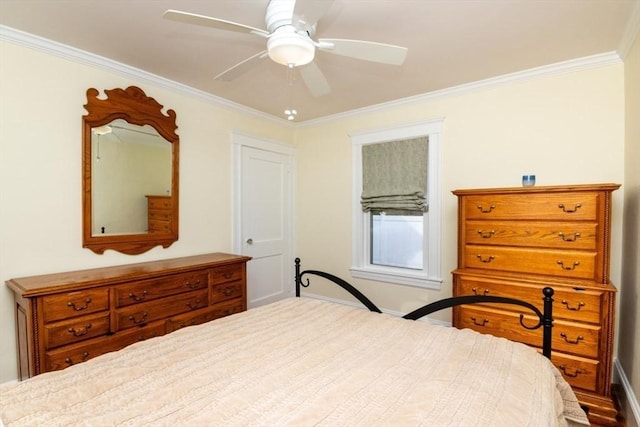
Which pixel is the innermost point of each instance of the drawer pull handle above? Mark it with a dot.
(475, 322)
(568, 267)
(475, 291)
(572, 374)
(569, 238)
(568, 341)
(80, 332)
(193, 306)
(569, 210)
(485, 260)
(483, 210)
(566, 304)
(486, 234)
(70, 362)
(80, 307)
(138, 298)
(195, 285)
(139, 321)
(228, 291)
(227, 275)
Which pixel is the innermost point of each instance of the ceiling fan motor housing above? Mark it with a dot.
(288, 45)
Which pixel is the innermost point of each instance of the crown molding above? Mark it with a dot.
(50, 47)
(570, 66)
(631, 31)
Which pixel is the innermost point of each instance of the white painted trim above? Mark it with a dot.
(630, 397)
(589, 62)
(430, 277)
(87, 58)
(630, 32)
(58, 49)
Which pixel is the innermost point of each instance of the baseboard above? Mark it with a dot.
(358, 305)
(628, 400)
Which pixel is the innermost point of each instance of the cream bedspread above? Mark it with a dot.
(303, 362)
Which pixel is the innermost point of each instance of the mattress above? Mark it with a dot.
(303, 362)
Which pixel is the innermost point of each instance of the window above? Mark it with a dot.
(390, 243)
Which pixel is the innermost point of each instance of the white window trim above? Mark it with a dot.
(430, 276)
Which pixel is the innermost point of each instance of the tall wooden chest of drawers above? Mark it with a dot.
(160, 214)
(67, 318)
(513, 242)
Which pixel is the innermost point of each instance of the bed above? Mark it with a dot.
(307, 362)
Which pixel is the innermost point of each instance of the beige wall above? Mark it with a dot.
(629, 329)
(565, 128)
(41, 106)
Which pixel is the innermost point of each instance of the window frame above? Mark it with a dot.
(430, 275)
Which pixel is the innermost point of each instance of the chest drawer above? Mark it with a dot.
(226, 291)
(560, 235)
(141, 314)
(66, 356)
(227, 274)
(160, 215)
(76, 330)
(159, 202)
(202, 316)
(575, 304)
(147, 290)
(578, 371)
(567, 264)
(554, 206)
(567, 337)
(156, 226)
(72, 304)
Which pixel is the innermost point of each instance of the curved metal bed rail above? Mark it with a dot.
(545, 317)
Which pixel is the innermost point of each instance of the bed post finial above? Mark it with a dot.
(547, 322)
(298, 279)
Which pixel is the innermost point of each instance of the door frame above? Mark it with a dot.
(240, 140)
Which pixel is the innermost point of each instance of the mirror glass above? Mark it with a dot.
(130, 172)
(130, 162)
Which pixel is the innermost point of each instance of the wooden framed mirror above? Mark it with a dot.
(130, 153)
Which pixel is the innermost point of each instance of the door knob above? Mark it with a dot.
(249, 241)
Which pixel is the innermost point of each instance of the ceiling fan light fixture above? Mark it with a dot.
(286, 46)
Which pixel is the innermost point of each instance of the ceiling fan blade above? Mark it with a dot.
(368, 51)
(314, 79)
(242, 67)
(207, 21)
(308, 12)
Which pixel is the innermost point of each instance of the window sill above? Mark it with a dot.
(396, 276)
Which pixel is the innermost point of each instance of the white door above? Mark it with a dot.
(264, 176)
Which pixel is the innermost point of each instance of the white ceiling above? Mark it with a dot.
(450, 43)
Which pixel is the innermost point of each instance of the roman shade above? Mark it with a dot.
(394, 176)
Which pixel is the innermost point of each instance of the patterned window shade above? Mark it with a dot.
(394, 176)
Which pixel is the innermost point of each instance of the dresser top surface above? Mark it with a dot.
(56, 282)
(538, 189)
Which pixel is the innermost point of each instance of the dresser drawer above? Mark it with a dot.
(156, 226)
(76, 330)
(155, 202)
(203, 316)
(72, 304)
(146, 290)
(66, 356)
(561, 264)
(578, 371)
(570, 303)
(160, 215)
(560, 235)
(568, 337)
(143, 313)
(227, 274)
(552, 206)
(226, 291)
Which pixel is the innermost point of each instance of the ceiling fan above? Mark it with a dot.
(290, 27)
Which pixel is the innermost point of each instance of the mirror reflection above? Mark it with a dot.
(131, 176)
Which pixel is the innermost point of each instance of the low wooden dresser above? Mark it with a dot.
(67, 318)
(513, 242)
